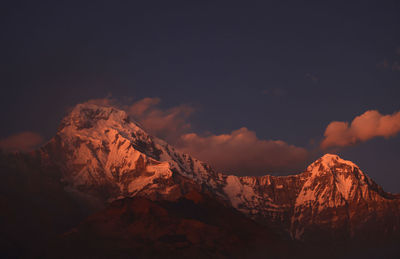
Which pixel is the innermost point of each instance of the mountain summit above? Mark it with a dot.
(104, 154)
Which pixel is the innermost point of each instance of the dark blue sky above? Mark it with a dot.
(284, 69)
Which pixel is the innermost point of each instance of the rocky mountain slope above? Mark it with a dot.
(195, 226)
(151, 199)
(104, 155)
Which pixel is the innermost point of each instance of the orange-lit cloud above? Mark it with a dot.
(241, 152)
(23, 141)
(369, 125)
(143, 105)
(167, 124)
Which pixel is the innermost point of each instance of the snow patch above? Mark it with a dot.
(344, 184)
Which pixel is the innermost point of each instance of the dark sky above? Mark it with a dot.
(283, 69)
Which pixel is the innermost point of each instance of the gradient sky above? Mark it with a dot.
(282, 69)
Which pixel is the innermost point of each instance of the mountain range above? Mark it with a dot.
(115, 190)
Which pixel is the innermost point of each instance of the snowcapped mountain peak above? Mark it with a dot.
(101, 150)
(329, 160)
(332, 182)
(330, 163)
(330, 157)
(105, 126)
(88, 115)
(336, 168)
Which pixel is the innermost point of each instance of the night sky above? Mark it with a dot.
(282, 69)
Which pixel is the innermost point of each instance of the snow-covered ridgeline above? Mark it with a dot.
(100, 149)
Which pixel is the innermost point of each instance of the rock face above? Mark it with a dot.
(102, 153)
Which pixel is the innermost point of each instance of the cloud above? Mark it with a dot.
(369, 125)
(141, 106)
(24, 141)
(241, 152)
(168, 124)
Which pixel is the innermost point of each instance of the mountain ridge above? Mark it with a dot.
(101, 151)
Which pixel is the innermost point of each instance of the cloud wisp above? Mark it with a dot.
(168, 124)
(24, 142)
(368, 125)
(242, 152)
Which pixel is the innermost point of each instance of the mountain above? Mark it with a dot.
(103, 153)
(104, 161)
